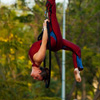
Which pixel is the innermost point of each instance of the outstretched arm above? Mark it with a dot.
(40, 55)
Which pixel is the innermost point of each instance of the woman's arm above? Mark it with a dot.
(40, 55)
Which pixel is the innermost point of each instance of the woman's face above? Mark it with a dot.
(36, 74)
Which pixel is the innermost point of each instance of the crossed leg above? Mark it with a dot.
(67, 45)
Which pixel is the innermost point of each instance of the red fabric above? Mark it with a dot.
(34, 48)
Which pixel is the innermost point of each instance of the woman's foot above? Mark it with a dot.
(77, 75)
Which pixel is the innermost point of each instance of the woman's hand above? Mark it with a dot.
(45, 23)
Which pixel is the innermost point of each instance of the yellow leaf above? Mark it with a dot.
(21, 57)
(29, 84)
(84, 47)
(12, 51)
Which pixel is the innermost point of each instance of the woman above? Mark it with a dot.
(38, 49)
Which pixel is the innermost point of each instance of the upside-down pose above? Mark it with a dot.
(38, 49)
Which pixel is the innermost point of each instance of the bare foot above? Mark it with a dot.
(77, 75)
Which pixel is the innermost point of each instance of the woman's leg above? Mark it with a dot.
(54, 26)
(67, 45)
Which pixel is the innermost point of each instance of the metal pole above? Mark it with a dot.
(63, 56)
(0, 3)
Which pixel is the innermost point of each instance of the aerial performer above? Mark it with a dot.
(37, 51)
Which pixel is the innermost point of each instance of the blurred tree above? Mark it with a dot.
(19, 28)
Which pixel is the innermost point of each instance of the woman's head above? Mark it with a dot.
(40, 73)
(36, 73)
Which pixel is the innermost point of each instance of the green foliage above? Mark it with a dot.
(83, 29)
(19, 28)
(47, 98)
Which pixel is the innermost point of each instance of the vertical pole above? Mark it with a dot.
(63, 56)
(0, 3)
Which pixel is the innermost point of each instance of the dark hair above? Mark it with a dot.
(44, 73)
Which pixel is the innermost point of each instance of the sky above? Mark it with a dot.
(9, 2)
(13, 1)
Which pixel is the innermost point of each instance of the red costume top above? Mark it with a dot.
(34, 48)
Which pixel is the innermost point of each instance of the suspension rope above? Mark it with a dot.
(47, 82)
